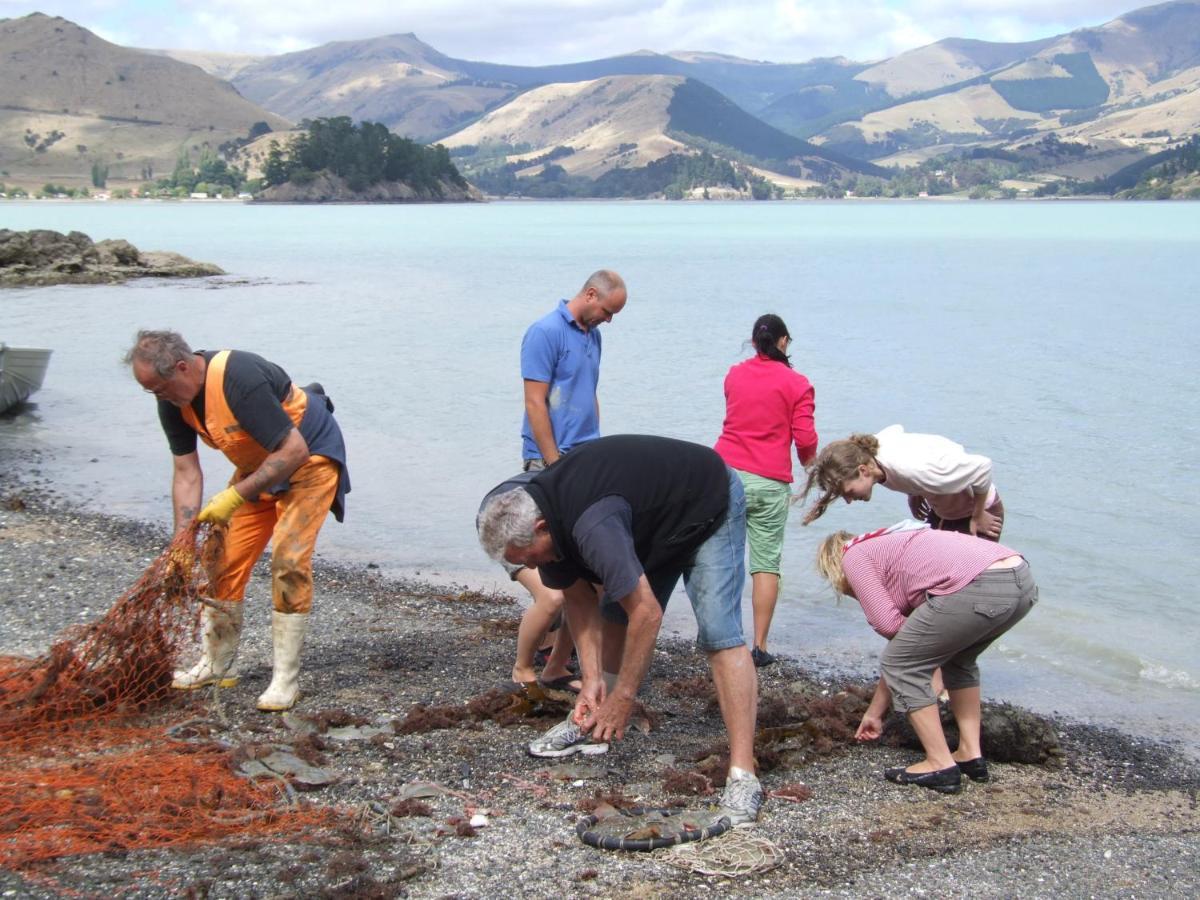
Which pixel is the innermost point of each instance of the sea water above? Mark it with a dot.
(1058, 338)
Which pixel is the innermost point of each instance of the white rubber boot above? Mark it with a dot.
(287, 633)
(220, 633)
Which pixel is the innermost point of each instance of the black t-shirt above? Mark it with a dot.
(254, 389)
(625, 505)
(604, 536)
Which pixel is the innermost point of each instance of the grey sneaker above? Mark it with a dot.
(741, 801)
(565, 739)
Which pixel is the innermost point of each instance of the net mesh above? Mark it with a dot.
(733, 855)
(87, 761)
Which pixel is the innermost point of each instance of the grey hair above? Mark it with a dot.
(160, 349)
(507, 519)
(605, 281)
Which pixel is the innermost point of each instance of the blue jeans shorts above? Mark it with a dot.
(713, 577)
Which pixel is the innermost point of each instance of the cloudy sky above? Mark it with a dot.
(544, 31)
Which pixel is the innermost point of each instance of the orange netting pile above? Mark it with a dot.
(87, 758)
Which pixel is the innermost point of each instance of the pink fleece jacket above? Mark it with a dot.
(768, 408)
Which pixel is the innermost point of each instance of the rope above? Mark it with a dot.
(657, 836)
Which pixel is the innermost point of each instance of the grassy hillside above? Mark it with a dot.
(397, 80)
(698, 110)
(1084, 88)
(70, 101)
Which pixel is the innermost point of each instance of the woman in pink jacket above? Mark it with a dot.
(940, 598)
(768, 409)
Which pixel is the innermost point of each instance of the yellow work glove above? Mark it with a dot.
(220, 508)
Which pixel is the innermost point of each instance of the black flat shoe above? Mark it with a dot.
(976, 769)
(761, 658)
(944, 781)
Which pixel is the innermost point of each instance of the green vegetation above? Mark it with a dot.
(1085, 88)
(363, 154)
(696, 109)
(677, 176)
(978, 174)
(99, 174)
(978, 177)
(1169, 175)
(211, 175)
(257, 130)
(50, 189)
(39, 144)
(673, 177)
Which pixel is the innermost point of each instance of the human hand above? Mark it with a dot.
(986, 525)
(591, 698)
(609, 721)
(918, 507)
(870, 728)
(220, 509)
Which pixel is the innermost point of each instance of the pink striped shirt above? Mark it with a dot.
(768, 408)
(891, 574)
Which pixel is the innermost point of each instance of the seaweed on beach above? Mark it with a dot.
(1008, 734)
(701, 687)
(498, 705)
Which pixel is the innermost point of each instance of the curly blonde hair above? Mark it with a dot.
(833, 467)
(829, 561)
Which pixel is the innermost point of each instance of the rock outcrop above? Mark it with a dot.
(328, 188)
(43, 257)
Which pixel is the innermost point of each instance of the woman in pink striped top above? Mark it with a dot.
(940, 598)
(768, 409)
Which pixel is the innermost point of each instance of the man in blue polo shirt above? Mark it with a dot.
(560, 365)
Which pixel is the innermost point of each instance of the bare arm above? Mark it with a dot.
(983, 523)
(277, 467)
(537, 394)
(804, 429)
(871, 726)
(645, 619)
(583, 618)
(187, 486)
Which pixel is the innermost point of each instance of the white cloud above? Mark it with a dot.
(546, 31)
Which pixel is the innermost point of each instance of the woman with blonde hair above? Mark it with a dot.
(940, 598)
(768, 410)
(947, 487)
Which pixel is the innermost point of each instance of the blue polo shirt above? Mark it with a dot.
(555, 350)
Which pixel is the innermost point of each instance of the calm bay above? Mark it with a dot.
(1057, 338)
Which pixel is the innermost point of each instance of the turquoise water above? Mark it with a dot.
(1058, 338)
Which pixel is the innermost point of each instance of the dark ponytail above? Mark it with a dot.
(768, 329)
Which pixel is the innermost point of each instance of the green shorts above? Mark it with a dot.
(767, 502)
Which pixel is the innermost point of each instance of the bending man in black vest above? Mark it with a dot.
(633, 513)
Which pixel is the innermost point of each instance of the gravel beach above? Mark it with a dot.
(1107, 815)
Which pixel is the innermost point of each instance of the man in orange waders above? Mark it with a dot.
(290, 472)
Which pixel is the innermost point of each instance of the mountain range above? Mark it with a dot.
(1118, 92)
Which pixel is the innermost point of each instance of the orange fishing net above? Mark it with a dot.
(89, 760)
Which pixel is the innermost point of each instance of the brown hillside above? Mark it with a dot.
(68, 98)
(396, 80)
(1139, 48)
(1149, 58)
(596, 118)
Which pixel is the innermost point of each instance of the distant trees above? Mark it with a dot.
(362, 154)
(211, 175)
(99, 173)
(674, 176)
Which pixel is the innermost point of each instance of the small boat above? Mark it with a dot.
(21, 372)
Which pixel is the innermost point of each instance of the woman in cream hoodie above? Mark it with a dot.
(946, 486)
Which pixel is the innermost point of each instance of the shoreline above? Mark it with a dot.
(1117, 817)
